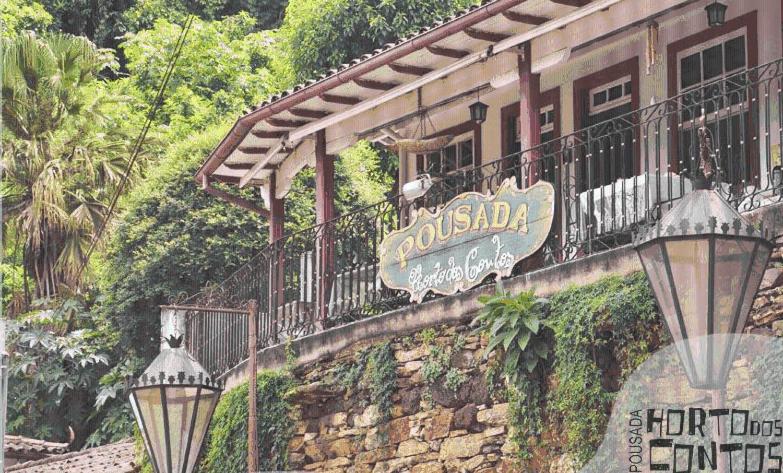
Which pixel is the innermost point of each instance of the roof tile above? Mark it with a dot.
(113, 458)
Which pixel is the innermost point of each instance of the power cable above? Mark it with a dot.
(153, 110)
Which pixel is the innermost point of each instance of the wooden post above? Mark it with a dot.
(276, 211)
(324, 212)
(719, 402)
(252, 393)
(529, 110)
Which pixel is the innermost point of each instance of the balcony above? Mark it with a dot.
(609, 179)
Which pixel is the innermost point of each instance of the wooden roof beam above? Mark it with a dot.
(525, 19)
(305, 113)
(408, 69)
(253, 149)
(266, 134)
(283, 123)
(239, 166)
(340, 99)
(374, 84)
(482, 35)
(572, 3)
(448, 52)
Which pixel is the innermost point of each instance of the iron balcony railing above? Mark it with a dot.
(609, 178)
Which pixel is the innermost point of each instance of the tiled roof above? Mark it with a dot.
(365, 57)
(15, 444)
(113, 458)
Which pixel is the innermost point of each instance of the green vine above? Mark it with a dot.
(226, 445)
(374, 368)
(602, 330)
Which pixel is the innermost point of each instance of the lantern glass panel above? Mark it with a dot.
(756, 274)
(652, 258)
(149, 405)
(207, 403)
(181, 403)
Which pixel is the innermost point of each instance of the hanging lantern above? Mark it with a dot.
(716, 14)
(478, 112)
(705, 263)
(173, 402)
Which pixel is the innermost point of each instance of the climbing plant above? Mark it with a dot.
(602, 332)
(374, 369)
(226, 446)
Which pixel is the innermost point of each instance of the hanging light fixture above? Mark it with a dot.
(173, 401)
(478, 111)
(716, 13)
(705, 263)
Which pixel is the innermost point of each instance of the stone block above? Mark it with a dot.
(336, 463)
(465, 418)
(438, 426)
(343, 447)
(461, 447)
(408, 368)
(367, 418)
(497, 415)
(412, 447)
(430, 467)
(410, 355)
(376, 455)
(399, 430)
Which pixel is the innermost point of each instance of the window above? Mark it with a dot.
(712, 80)
(547, 120)
(611, 95)
(455, 157)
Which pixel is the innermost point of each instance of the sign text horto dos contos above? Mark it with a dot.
(473, 236)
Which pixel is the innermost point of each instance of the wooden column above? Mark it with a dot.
(277, 263)
(529, 105)
(324, 212)
(276, 212)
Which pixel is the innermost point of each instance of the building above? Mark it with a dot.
(118, 457)
(20, 449)
(602, 99)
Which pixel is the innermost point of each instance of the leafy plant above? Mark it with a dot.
(454, 379)
(436, 364)
(428, 336)
(513, 325)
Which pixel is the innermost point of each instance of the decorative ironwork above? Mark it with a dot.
(611, 179)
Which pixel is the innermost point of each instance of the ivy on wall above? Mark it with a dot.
(375, 369)
(602, 332)
(226, 445)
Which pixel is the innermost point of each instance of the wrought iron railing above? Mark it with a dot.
(609, 178)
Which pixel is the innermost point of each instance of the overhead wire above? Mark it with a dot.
(139, 142)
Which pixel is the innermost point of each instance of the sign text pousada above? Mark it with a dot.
(469, 238)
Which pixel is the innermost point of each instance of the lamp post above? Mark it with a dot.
(716, 14)
(3, 391)
(173, 401)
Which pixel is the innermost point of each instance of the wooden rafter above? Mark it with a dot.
(486, 35)
(526, 19)
(572, 3)
(448, 52)
(408, 69)
(239, 166)
(283, 123)
(253, 149)
(305, 113)
(266, 134)
(340, 99)
(374, 84)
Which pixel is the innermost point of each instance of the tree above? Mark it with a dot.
(320, 34)
(21, 15)
(64, 152)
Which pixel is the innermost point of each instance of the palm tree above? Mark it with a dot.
(64, 151)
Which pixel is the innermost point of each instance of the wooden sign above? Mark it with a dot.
(468, 239)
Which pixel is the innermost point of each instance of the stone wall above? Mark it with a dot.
(432, 428)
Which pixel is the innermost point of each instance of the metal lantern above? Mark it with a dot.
(705, 263)
(716, 14)
(173, 402)
(478, 112)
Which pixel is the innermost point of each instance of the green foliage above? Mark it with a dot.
(513, 325)
(525, 399)
(428, 336)
(601, 328)
(173, 238)
(320, 34)
(436, 364)
(221, 71)
(375, 369)
(20, 15)
(454, 379)
(54, 372)
(361, 166)
(226, 446)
